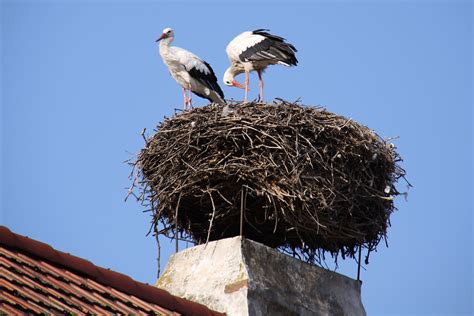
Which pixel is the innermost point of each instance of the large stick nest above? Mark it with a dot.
(307, 180)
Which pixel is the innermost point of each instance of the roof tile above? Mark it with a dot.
(35, 278)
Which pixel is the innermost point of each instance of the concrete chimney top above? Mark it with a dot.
(242, 277)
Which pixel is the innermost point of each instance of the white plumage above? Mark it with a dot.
(255, 50)
(241, 43)
(192, 73)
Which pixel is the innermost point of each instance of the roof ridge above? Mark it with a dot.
(103, 276)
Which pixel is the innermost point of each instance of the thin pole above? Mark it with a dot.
(176, 222)
(358, 267)
(241, 211)
(176, 233)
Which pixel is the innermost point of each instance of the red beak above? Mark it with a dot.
(161, 37)
(238, 84)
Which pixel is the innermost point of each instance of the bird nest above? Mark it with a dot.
(293, 177)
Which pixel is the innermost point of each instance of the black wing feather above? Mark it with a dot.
(209, 80)
(273, 47)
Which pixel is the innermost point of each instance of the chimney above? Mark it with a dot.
(241, 277)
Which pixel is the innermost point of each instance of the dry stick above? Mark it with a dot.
(143, 135)
(176, 222)
(212, 218)
(157, 237)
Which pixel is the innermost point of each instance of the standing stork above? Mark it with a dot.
(256, 50)
(190, 72)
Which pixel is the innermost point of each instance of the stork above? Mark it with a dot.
(255, 50)
(190, 72)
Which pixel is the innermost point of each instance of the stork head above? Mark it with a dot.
(229, 80)
(167, 33)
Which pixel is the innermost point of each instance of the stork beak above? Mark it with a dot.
(238, 84)
(161, 37)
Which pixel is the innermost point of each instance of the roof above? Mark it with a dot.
(36, 278)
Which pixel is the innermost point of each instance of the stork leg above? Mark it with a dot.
(261, 85)
(246, 85)
(185, 99)
(190, 99)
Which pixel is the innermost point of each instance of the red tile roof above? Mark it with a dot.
(35, 278)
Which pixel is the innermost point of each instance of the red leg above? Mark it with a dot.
(185, 99)
(246, 85)
(190, 99)
(261, 84)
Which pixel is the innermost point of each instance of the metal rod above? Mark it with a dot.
(358, 266)
(176, 234)
(241, 211)
(176, 223)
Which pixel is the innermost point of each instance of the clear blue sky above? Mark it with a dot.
(81, 79)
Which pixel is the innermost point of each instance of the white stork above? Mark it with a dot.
(192, 73)
(255, 51)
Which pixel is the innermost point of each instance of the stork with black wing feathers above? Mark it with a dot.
(256, 50)
(190, 72)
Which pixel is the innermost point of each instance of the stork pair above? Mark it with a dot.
(249, 51)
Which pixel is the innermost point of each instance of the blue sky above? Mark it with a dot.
(81, 79)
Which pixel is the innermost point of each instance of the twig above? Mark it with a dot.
(176, 222)
(212, 218)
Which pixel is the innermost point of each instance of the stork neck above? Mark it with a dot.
(235, 69)
(165, 45)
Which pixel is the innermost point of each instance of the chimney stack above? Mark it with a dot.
(242, 277)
